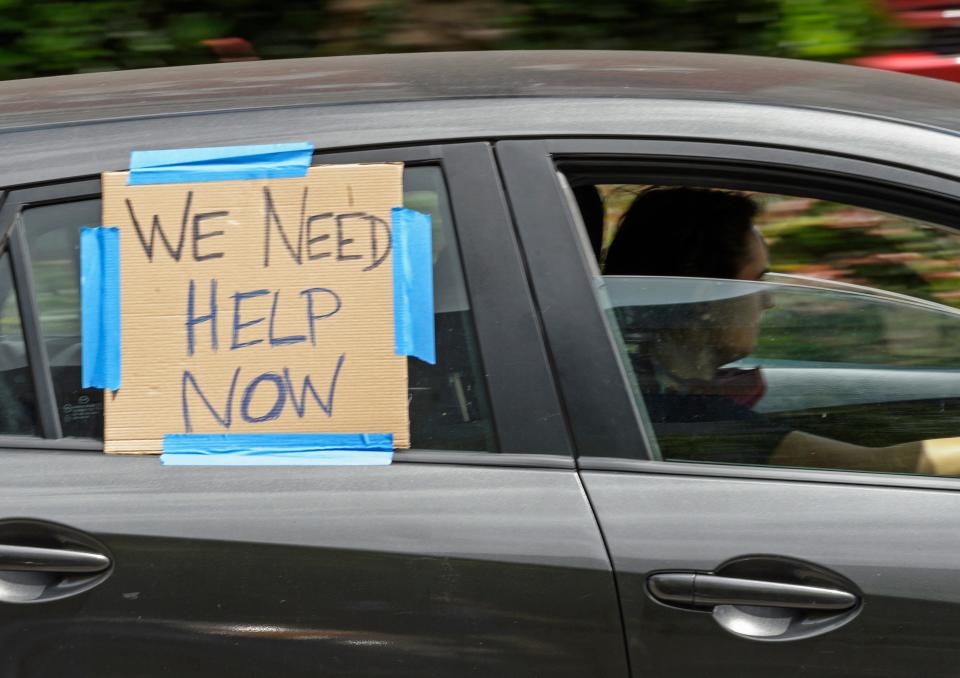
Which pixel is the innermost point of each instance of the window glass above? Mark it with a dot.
(846, 356)
(53, 239)
(448, 402)
(832, 241)
(827, 241)
(699, 350)
(17, 400)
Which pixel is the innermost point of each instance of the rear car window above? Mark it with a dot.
(53, 239)
(449, 408)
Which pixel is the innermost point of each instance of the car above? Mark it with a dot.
(542, 522)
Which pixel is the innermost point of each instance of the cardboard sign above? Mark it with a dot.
(256, 306)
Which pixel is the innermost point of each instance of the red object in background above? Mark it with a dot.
(929, 64)
(924, 13)
(231, 49)
(938, 54)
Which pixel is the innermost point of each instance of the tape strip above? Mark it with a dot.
(100, 307)
(413, 284)
(277, 449)
(286, 459)
(224, 163)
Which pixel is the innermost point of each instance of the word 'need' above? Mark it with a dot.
(305, 236)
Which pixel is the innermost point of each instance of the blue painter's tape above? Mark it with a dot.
(284, 459)
(224, 163)
(413, 284)
(100, 307)
(277, 449)
(269, 443)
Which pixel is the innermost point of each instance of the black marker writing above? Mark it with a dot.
(283, 390)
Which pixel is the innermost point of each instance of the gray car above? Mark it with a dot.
(544, 522)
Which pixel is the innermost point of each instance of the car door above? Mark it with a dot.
(475, 552)
(746, 568)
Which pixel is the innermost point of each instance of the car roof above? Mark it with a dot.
(458, 76)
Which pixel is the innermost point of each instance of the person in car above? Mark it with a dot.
(700, 409)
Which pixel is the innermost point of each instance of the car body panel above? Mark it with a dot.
(399, 570)
(407, 569)
(475, 76)
(63, 152)
(896, 545)
(69, 126)
(890, 544)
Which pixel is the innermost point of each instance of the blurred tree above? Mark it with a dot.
(828, 29)
(743, 26)
(47, 37)
(823, 29)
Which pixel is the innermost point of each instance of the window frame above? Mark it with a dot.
(13, 240)
(524, 401)
(608, 430)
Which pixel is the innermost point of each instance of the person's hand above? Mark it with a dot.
(939, 457)
(935, 457)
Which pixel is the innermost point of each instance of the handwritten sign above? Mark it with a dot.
(257, 306)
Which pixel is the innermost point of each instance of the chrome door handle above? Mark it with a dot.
(16, 558)
(709, 590)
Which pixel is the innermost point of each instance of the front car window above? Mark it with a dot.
(847, 356)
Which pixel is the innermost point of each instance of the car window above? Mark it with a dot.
(842, 366)
(449, 408)
(53, 240)
(849, 358)
(17, 399)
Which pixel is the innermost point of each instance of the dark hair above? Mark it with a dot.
(694, 232)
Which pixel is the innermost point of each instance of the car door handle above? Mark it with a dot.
(708, 590)
(16, 558)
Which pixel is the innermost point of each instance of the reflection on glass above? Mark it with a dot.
(728, 370)
(448, 401)
(837, 242)
(53, 239)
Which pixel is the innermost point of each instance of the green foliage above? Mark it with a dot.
(821, 29)
(47, 37)
(743, 26)
(828, 29)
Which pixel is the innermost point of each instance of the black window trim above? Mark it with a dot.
(529, 168)
(523, 398)
(784, 474)
(870, 184)
(13, 241)
(593, 383)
